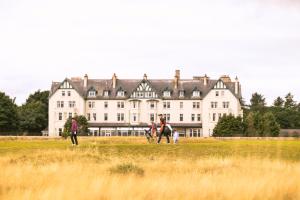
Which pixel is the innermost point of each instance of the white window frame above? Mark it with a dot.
(196, 93)
(92, 93)
(167, 93)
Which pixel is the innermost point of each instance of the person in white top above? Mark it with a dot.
(175, 136)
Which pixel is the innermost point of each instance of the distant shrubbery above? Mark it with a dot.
(82, 125)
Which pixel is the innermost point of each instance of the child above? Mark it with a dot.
(175, 136)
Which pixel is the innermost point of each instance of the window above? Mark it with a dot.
(106, 93)
(181, 117)
(220, 115)
(69, 93)
(59, 116)
(60, 131)
(152, 105)
(167, 94)
(95, 116)
(198, 117)
(214, 117)
(196, 104)
(88, 116)
(105, 104)
(120, 104)
(70, 115)
(63, 93)
(60, 104)
(105, 116)
(193, 117)
(226, 104)
(120, 93)
(71, 104)
(181, 105)
(91, 104)
(134, 117)
(167, 117)
(217, 93)
(151, 117)
(167, 104)
(196, 94)
(214, 104)
(120, 116)
(181, 94)
(92, 93)
(222, 93)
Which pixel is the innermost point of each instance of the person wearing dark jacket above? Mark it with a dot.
(163, 129)
(74, 131)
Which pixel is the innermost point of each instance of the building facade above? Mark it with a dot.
(126, 107)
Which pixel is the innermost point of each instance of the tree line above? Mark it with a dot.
(30, 118)
(260, 120)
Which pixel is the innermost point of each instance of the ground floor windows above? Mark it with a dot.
(107, 132)
(60, 131)
(140, 131)
(195, 132)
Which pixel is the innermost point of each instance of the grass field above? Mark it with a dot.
(129, 168)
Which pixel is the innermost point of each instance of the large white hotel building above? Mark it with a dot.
(125, 107)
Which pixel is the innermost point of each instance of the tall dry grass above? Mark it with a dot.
(84, 174)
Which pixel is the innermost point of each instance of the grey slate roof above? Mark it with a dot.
(129, 86)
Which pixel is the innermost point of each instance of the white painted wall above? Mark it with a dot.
(54, 122)
(234, 108)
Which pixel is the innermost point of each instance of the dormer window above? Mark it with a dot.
(92, 93)
(167, 94)
(196, 93)
(121, 93)
(106, 93)
(181, 93)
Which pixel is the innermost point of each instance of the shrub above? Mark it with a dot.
(127, 168)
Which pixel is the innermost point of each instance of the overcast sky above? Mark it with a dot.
(45, 41)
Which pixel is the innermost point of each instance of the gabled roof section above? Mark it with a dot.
(67, 84)
(220, 85)
(144, 86)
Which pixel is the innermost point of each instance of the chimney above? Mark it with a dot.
(145, 77)
(114, 80)
(236, 85)
(176, 78)
(85, 80)
(205, 80)
(225, 79)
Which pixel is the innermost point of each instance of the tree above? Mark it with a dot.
(289, 101)
(270, 128)
(33, 118)
(8, 114)
(278, 102)
(258, 102)
(34, 113)
(82, 126)
(228, 126)
(252, 125)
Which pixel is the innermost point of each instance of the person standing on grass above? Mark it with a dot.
(153, 130)
(163, 129)
(74, 131)
(175, 136)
